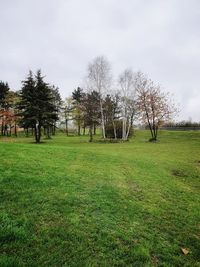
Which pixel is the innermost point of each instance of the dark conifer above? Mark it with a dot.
(37, 104)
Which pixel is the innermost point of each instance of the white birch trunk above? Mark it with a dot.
(124, 129)
(102, 121)
(128, 130)
(114, 129)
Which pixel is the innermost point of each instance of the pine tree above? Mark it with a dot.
(57, 102)
(77, 96)
(91, 111)
(37, 104)
(4, 88)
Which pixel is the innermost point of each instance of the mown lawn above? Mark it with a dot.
(68, 202)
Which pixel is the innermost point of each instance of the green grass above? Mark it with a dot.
(68, 202)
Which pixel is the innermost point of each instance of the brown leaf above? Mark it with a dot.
(185, 251)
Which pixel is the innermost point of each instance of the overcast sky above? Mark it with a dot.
(159, 37)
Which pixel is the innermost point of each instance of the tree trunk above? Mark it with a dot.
(10, 129)
(150, 128)
(37, 132)
(114, 129)
(124, 129)
(102, 120)
(15, 129)
(154, 127)
(2, 127)
(156, 133)
(66, 127)
(5, 129)
(128, 131)
(94, 129)
(79, 128)
(90, 133)
(84, 129)
(53, 129)
(48, 132)
(27, 132)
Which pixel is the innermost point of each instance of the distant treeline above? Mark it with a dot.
(182, 125)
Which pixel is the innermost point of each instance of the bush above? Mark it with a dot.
(110, 130)
(153, 139)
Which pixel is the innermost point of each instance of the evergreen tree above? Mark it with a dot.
(57, 103)
(91, 111)
(77, 96)
(4, 88)
(37, 105)
(111, 114)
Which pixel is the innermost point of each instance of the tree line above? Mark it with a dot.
(185, 125)
(102, 103)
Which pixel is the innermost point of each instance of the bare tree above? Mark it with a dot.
(127, 86)
(155, 106)
(99, 80)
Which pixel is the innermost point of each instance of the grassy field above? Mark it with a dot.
(68, 202)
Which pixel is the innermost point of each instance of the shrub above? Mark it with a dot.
(110, 130)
